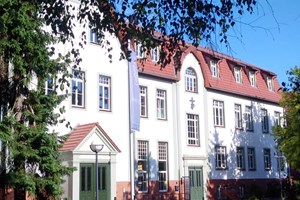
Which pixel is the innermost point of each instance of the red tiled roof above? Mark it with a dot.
(80, 132)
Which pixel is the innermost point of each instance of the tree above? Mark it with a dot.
(288, 136)
(30, 157)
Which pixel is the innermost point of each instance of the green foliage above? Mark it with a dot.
(288, 136)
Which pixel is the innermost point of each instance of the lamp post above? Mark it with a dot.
(96, 148)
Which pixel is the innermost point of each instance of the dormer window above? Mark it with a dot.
(190, 80)
(252, 78)
(270, 84)
(214, 68)
(155, 54)
(94, 37)
(139, 50)
(238, 74)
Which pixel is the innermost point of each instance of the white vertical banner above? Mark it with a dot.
(134, 90)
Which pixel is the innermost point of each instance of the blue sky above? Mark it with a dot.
(272, 41)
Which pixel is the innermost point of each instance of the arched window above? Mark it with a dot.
(191, 80)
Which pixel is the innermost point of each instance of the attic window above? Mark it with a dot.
(252, 78)
(270, 84)
(214, 68)
(238, 74)
(155, 54)
(139, 52)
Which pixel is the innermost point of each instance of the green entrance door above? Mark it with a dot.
(196, 183)
(88, 181)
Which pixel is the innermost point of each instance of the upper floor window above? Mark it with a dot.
(104, 93)
(240, 158)
(252, 78)
(142, 161)
(238, 74)
(155, 54)
(143, 103)
(214, 68)
(264, 120)
(78, 90)
(238, 116)
(277, 119)
(218, 112)
(190, 80)
(163, 166)
(193, 129)
(248, 118)
(221, 157)
(267, 159)
(161, 104)
(94, 37)
(139, 51)
(270, 84)
(50, 85)
(251, 159)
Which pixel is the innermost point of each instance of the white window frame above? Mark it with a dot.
(214, 68)
(104, 86)
(50, 85)
(191, 80)
(218, 112)
(221, 157)
(155, 54)
(267, 159)
(193, 130)
(139, 51)
(252, 78)
(143, 101)
(161, 104)
(277, 120)
(251, 159)
(264, 120)
(163, 166)
(270, 84)
(240, 158)
(94, 37)
(248, 118)
(238, 116)
(238, 74)
(143, 166)
(78, 82)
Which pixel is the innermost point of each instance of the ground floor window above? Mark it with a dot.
(142, 159)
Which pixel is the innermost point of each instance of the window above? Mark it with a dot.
(252, 78)
(214, 68)
(267, 159)
(139, 51)
(270, 84)
(193, 129)
(142, 180)
(161, 104)
(218, 110)
(163, 166)
(190, 80)
(238, 116)
(50, 85)
(238, 74)
(251, 159)
(155, 54)
(277, 119)
(249, 118)
(94, 37)
(143, 96)
(240, 158)
(264, 121)
(78, 88)
(104, 93)
(221, 157)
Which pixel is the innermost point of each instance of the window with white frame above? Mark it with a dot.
(251, 159)
(143, 103)
(104, 93)
(142, 172)
(163, 166)
(252, 78)
(264, 121)
(238, 74)
(193, 129)
(161, 104)
(221, 157)
(277, 119)
(240, 158)
(155, 54)
(248, 118)
(190, 80)
(50, 85)
(214, 68)
(218, 111)
(94, 37)
(267, 159)
(238, 116)
(78, 89)
(270, 84)
(139, 51)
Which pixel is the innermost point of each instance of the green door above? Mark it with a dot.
(88, 181)
(196, 183)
